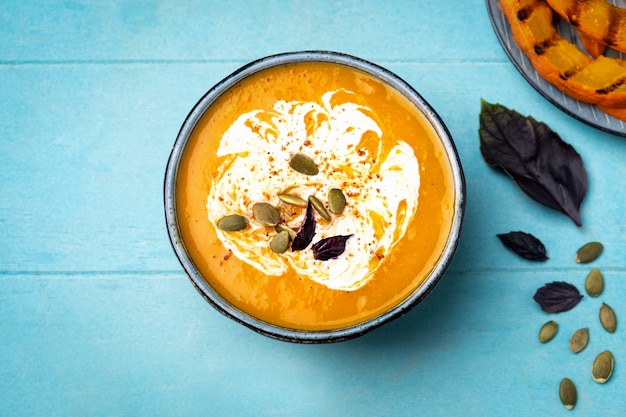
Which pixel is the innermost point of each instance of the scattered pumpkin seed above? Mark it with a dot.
(594, 284)
(548, 331)
(579, 339)
(607, 318)
(303, 164)
(266, 213)
(280, 227)
(294, 200)
(336, 200)
(589, 252)
(603, 367)
(319, 207)
(280, 242)
(567, 392)
(232, 223)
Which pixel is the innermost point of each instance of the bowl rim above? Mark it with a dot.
(284, 333)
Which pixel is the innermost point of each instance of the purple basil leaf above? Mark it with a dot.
(557, 297)
(546, 168)
(525, 245)
(307, 230)
(330, 247)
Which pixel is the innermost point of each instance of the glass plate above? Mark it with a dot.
(582, 111)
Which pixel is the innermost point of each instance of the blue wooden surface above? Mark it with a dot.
(97, 317)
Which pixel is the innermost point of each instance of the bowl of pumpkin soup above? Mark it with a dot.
(313, 196)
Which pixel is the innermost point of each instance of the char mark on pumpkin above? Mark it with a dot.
(541, 47)
(524, 13)
(612, 87)
(610, 38)
(570, 72)
(573, 13)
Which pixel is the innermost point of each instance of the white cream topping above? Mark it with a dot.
(381, 190)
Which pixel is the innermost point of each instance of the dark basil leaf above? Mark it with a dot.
(546, 168)
(557, 297)
(525, 245)
(307, 230)
(329, 248)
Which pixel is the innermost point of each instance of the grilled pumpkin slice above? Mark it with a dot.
(597, 19)
(617, 112)
(600, 81)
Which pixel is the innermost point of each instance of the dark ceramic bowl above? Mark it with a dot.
(308, 336)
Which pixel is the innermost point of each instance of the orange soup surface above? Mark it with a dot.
(365, 139)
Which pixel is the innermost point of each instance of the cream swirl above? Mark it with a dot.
(345, 141)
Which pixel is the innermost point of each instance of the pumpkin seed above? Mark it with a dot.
(579, 339)
(567, 392)
(548, 331)
(266, 213)
(607, 318)
(594, 284)
(303, 164)
(284, 228)
(319, 207)
(232, 223)
(294, 200)
(603, 367)
(336, 200)
(280, 242)
(589, 252)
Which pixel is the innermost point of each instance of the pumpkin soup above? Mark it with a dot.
(349, 171)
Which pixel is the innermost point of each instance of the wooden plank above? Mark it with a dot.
(426, 31)
(83, 150)
(83, 154)
(128, 345)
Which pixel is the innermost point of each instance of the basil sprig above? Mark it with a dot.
(546, 168)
